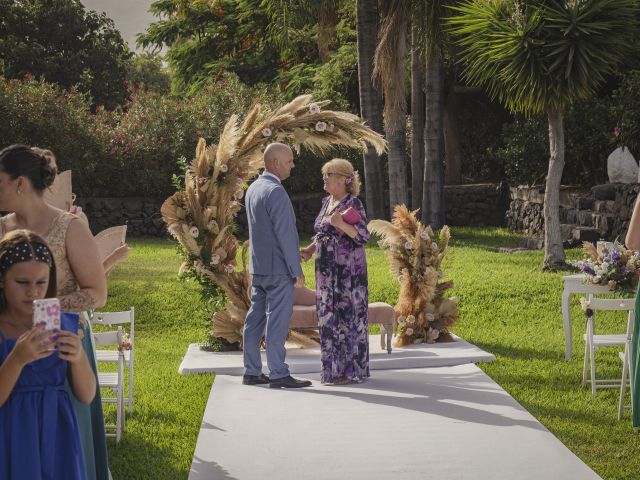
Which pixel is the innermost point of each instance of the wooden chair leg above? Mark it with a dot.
(584, 362)
(592, 359)
(623, 385)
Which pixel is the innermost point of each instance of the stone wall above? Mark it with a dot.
(473, 205)
(478, 205)
(599, 213)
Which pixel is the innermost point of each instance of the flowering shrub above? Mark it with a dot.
(616, 267)
(129, 151)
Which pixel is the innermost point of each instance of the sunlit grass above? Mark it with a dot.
(507, 306)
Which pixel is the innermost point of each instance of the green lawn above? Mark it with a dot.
(507, 306)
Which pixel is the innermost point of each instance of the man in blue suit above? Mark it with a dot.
(275, 266)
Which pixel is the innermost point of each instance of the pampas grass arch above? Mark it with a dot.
(201, 217)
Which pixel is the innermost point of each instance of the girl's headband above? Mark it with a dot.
(24, 252)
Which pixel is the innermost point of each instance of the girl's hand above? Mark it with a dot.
(70, 347)
(33, 345)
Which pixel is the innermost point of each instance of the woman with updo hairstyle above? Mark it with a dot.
(25, 173)
(342, 295)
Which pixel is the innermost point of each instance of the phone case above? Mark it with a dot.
(47, 311)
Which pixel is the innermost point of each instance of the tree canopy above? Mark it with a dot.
(61, 42)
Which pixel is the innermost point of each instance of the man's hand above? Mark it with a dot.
(299, 281)
(307, 253)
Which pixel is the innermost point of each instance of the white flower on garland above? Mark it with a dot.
(429, 317)
(224, 168)
(400, 278)
(411, 319)
(314, 108)
(409, 331)
(401, 320)
(229, 268)
(213, 223)
(239, 181)
(434, 246)
(194, 232)
(202, 180)
(215, 259)
(408, 245)
(424, 235)
(321, 126)
(266, 132)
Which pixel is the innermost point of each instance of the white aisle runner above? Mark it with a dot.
(444, 423)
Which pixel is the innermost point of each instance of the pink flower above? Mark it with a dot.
(617, 132)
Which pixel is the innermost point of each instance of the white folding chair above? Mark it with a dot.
(113, 381)
(102, 355)
(627, 371)
(592, 341)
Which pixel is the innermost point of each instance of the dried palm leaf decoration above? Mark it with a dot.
(201, 217)
(415, 253)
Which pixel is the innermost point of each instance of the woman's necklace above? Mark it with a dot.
(333, 204)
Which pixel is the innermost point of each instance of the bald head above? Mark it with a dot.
(278, 160)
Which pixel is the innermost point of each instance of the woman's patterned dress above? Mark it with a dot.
(342, 295)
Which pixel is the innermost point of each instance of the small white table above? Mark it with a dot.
(575, 284)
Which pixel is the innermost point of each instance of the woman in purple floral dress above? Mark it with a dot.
(341, 277)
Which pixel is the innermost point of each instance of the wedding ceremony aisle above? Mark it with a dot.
(439, 422)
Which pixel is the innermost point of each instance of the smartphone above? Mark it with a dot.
(47, 312)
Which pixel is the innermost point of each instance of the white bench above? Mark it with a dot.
(305, 315)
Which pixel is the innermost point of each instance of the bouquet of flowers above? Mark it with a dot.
(615, 266)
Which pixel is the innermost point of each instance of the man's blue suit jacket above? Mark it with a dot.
(272, 229)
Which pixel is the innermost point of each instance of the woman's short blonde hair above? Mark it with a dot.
(343, 167)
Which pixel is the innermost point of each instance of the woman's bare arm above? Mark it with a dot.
(84, 260)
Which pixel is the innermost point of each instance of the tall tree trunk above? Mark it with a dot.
(452, 151)
(553, 252)
(370, 103)
(327, 22)
(417, 118)
(398, 166)
(433, 193)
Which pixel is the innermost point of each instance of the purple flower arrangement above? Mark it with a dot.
(615, 266)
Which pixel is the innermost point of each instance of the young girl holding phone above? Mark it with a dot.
(39, 435)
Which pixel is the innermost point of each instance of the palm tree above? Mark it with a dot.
(540, 56)
(370, 103)
(433, 185)
(417, 109)
(389, 71)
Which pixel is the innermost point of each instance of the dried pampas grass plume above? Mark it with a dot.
(415, 254)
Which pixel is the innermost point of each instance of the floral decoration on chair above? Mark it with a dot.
(616, 267)
(415, 253)
(201, 217)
